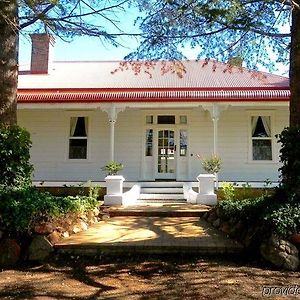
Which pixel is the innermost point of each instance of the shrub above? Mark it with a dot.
(15, 168)
(21, 207)
(284, 218)
(112, 168)
(248, 210)
(269, 211)
(228, 190)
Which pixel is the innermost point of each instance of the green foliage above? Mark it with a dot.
(290, 159)
(284, 218)
(20, 207)
(211, 165)
(112, 168)
(15, 168)
(228, 190)
(248, 210)
(219, 29)
(269, 211)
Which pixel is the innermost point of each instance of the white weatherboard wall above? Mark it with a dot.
(234, 143)
(49, 154)
(128, 143)
(50, 131)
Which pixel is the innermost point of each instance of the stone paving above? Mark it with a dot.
(151, 234)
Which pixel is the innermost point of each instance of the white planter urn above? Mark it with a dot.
(114, 190)
(206, 194)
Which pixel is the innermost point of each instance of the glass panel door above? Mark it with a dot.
(166, 154)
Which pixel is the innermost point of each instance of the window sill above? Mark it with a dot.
(79, 161)
(260, 162)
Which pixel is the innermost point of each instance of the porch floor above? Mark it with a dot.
(150, 234)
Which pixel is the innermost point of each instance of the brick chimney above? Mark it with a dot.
(42, 46)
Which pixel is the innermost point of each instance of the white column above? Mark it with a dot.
(215, 118)
(112, 113)
(112, 140)
(112, 118)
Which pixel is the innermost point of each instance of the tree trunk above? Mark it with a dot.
(8, 61)
(295, 67)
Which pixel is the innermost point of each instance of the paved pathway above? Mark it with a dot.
(140, 234)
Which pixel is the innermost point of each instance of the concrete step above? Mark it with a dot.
(161, 190)
(161, 196)
(163, 184)
(161, 201)
(166, 210)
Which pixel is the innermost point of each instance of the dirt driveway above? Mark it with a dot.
(146, 278)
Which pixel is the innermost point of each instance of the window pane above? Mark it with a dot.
(261, 126)
(78, 149)
(183, 119)
(262, 149)
(183, 142)
(149, 119)
(78, 127)
(149, 142)
(165, 119)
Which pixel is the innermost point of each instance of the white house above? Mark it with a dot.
(83, 114)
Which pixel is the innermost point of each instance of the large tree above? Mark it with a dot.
(63, 18)
(256, 31)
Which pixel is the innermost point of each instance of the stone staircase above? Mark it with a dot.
(161, 191)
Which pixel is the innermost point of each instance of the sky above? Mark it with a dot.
(87, 48)
(83, 48)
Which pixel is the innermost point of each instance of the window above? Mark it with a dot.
(183, 142)
(183, 119)
(149, 119)
(261, 138)
(165, 119)
(149, 142)
(78, 138)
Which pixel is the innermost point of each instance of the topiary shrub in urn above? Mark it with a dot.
(211, 165)
(112, 168)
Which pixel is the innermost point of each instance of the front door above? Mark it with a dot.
(166, 156)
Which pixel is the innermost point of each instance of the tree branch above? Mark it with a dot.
(37, 17)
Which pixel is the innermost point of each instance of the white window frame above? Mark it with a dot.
(87, 159)
(262, 113)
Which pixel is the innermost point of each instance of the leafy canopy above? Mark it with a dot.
(249, 29)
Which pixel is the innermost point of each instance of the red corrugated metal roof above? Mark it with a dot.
(98, 82)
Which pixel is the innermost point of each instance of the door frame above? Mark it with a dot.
(157, 175)
(148, 170)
